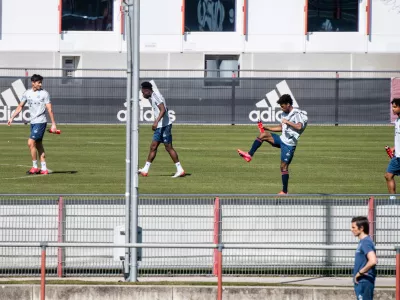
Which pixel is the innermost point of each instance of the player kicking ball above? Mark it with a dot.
(38, 101)
(294, 122)
(162, 127)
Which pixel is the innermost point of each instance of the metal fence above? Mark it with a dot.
(70, 74)
(305, 220)
(99, 96)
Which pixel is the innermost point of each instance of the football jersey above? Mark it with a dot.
(156, 99)
(397, 138)
(290, 136)
(37, 104)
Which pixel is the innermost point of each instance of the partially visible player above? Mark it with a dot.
(38, 101)
(364, 271)
(394, 164)
(294, 122)
(162, 128)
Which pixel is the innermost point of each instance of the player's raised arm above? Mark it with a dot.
(296, 126)
(16, 112)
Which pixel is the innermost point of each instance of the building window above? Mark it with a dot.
(210, 15)
(220, 69)
(87, 15)
(333, 15)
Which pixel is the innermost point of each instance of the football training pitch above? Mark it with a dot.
(91, 159)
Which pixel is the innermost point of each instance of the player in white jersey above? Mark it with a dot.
(38, 101)
(394, 164)
(162, 127)
(294, 122)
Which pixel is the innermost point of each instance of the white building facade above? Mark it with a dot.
(201, 34)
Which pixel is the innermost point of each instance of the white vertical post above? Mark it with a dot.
(128, 176)
(135, 43)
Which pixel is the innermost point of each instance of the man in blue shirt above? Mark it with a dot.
(364, 272)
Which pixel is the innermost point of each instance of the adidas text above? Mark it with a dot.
(268, 115)
(6, 112)
(145, 115)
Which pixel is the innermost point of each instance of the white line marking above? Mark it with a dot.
(16, 165)
(27, 176)
(106, 143)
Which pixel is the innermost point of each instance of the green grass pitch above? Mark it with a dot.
(91, 159)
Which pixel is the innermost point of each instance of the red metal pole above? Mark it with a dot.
(43, 274)
(60, 237)
(183, 9)
(219, 293)
(60, 17)
(245, 17)
(368, 10)
(306, 17)
(122, 18)
(397, 273)
(371, 217)
(217, 212)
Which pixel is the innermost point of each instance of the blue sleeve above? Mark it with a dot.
(367, 247)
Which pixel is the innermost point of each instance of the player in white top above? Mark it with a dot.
(394, 164)
(162, 127)
(38, 101)
(294, 122)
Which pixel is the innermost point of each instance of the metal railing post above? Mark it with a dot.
(372, 217)
(219, 292)
(217, 230)
(61, 237)
(43, 272)
(397, 273)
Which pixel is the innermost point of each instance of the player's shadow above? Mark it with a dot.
(186, 175)
(64, 172)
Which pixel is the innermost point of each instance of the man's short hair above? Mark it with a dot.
(396, 101)
(361, 222)
(147, 85)
(36, 77)
(285, 99)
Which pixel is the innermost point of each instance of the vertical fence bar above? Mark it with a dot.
(397, 273)
(219, 292)
(43, 273)
(372, 217)
(233, 108)
(337, 84)
(328, 233)
(217, 214)
(61, 237)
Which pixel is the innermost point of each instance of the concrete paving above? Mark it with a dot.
(302, 281)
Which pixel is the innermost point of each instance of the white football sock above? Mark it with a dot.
(43, 164)
(146, 167)
(34, 163)
(178, 167)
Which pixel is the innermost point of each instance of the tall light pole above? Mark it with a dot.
(132, 31)
(135, 44)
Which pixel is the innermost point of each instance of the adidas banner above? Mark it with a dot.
(195, 100)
